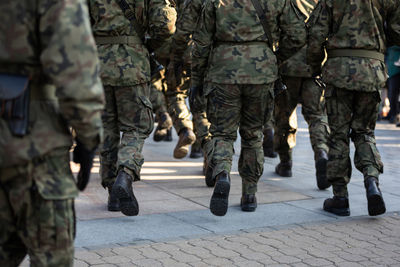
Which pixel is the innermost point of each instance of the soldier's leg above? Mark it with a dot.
(180, 114)
(201, 129)
(109, 150)
(286, 124)
(157, 99)
(366, 157)
(314, 112)
(135, 119)
(256, 100)
(268, 140)
(223, 110)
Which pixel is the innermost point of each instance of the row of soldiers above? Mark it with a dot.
(50, 80)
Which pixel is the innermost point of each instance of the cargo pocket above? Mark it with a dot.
(146, 123)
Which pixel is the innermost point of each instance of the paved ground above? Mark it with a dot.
(289, 228)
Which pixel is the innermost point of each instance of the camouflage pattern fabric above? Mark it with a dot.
(353, 83)
(233, 107)
(42, 221)
(128, 110)
(306, 92)
(125, 72)
(157, 97)
(128, 64)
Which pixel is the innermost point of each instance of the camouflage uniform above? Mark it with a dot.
(231, 55)
(125, 72)
(52, 42)
(353, 82)
(301, 87)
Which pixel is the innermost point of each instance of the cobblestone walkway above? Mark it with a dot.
(361, 241)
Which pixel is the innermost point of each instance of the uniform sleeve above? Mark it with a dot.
(293, 31)
(202, 43)
(185, 27)
(318, 30)
(393, 24)
(162, 18)
(69, 60)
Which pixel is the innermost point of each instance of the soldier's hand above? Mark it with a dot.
(194, 93)
(84, 157)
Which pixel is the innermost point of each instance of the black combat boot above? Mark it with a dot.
(168, 137)
(284, 168)
(321, 159)
(113, 202)
(196, 151)
(164, 124)
(268, 144)
(219, 199)
(248, 202)
(186, 138)
(337, 205)
(122, 189)
(210, 180)
(376, 205)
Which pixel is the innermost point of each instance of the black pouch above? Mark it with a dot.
(14, 102)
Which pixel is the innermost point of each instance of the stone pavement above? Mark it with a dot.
(289, 227)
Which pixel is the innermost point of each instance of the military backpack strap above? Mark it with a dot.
(263, 20)
(130, 15)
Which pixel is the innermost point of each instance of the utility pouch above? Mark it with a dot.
(14, 102)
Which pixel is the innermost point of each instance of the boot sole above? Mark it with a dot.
(320, 167)
(127, 202)
(249, 208)
(283, 174)
(110, 208)
(376, 205)
(181, 150)
(339, 212)
(219, 199)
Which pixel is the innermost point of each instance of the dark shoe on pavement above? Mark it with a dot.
(122, 189)
(268, 144)
(337, 205)
(376, 205)
(321, 159)
(164, 124)
(186, 138)
(196, 151)
(284, 169)
(210, 180)
(113, 202)
(248, 202)
(219, 199)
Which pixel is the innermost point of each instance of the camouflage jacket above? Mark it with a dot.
(51, 41)
(230, 46)
(353, 24)
(128, 64)
(296, 65)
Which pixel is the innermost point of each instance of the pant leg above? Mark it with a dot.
(339, 104)
(157, 97)
(365, 113)
(223, 112)
(136, 122)
(286, 119)
(314, 112)
(177, 108)
(257, 105)
(109, 149)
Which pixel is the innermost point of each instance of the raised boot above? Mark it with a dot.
(113, 202)
(186, 138)
(284, 168)
(376, 205)
(268, 144)
(248, 202)
(122, 189)
(337, 205)
(219, 198)
(196, 151)
(168, 137)
(164, 124)
(321, 159)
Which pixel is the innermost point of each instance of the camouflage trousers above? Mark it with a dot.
(351, 114)
(157, 97)
(128, 111)
(37, 214)
(306, 92)
(243, 107)
(177, 108)
(200, 121)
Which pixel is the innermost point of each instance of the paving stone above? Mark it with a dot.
(116, 259)
(316, 262)
(286, 259)
(78, 263)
